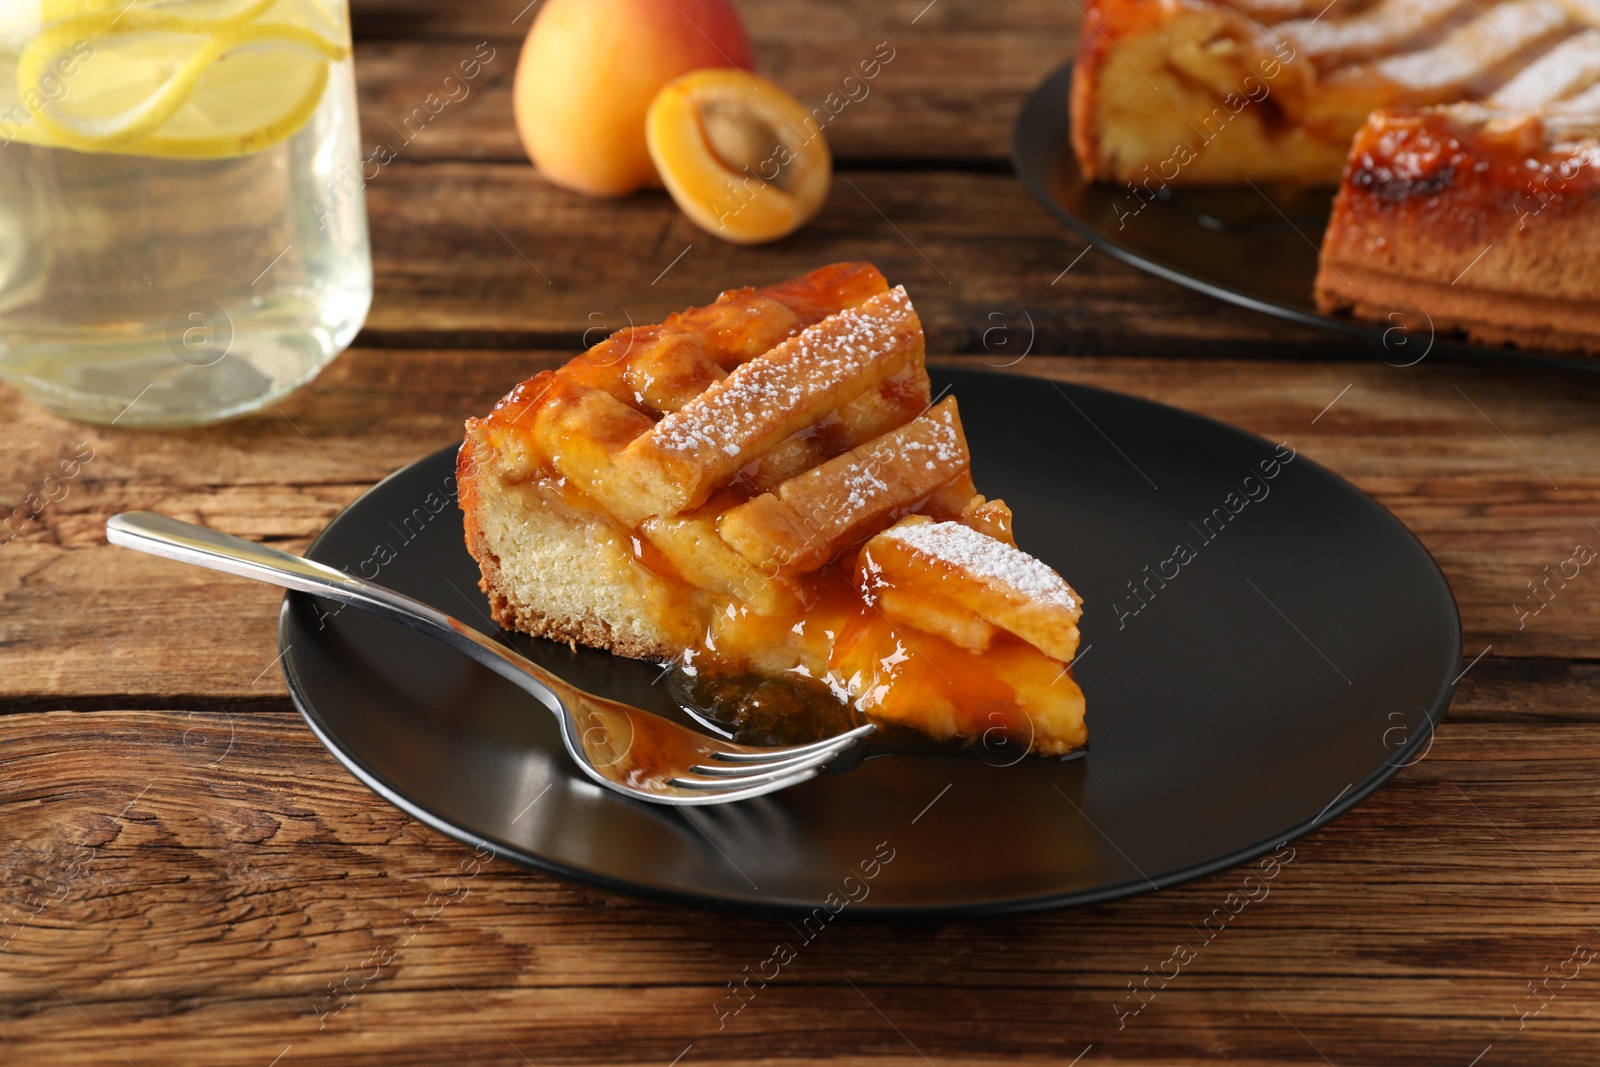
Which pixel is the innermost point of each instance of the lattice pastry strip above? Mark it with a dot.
(1380, 30)
(959, 573)
(900, 400)
(1500, 37)
(741, 324)
(703, 445)
(692, 546)
(1567, 69)
(806, 521)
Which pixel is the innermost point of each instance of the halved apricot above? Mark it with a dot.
(742, 158)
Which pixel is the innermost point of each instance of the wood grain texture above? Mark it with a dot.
(767, 20)
(70, 630)
(187, 877)
(217, 876)
(474, 248)
(910, 112)
(492, 255)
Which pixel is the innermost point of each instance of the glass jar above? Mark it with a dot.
(179, 238)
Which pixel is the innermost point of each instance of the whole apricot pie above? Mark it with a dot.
(763, 492)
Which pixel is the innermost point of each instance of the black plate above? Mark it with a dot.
(1303, 655)
(1230, 242)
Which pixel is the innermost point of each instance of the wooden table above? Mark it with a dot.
(189, 876)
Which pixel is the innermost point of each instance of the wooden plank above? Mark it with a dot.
(911, 111)
(767, 20)
(196, 909)
(275, 477)
(491, 255)
(71, 630)
(1528, 690)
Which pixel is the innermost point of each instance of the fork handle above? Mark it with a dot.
(170, 538)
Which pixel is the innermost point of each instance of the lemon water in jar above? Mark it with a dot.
(180, 240)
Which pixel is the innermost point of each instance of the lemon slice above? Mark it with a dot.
(194, 79)
(56, 10)
(253, 97)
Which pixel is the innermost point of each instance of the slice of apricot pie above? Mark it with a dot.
(763, 492)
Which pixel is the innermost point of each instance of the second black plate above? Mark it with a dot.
(1256, 247)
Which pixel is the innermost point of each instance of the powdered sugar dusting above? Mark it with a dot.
(861, 486)
(983, 556)
(942, 443)
(739, 408)
(1368, 31)
(864, 486)
(1489, 39)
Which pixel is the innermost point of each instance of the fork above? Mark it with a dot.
(625, 749)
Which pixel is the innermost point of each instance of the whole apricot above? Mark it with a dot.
(589, 70)
(742, 158)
